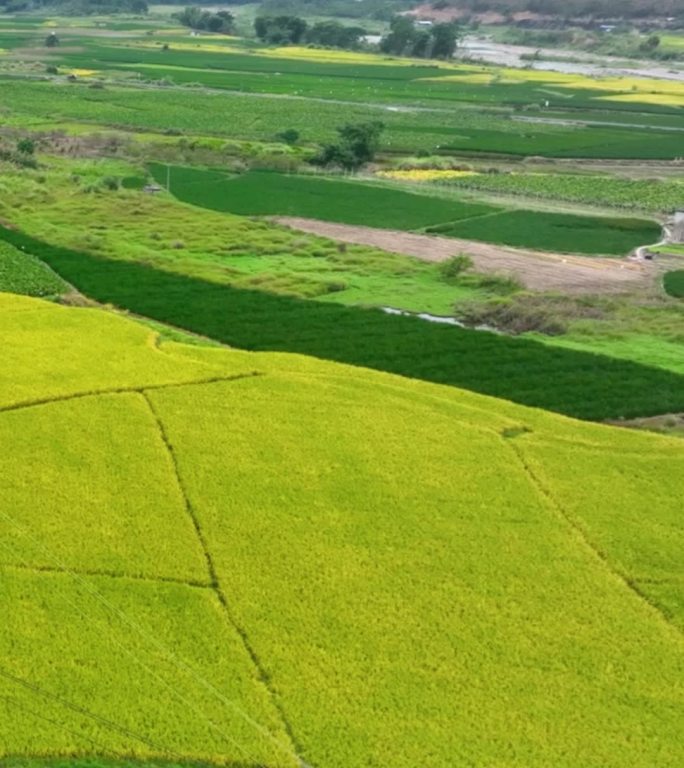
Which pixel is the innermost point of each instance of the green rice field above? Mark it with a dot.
(260, 193)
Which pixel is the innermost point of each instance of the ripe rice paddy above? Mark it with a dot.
(352, 594)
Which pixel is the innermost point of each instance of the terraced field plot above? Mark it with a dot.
(574, 383)
(259, 193)
(419, 562)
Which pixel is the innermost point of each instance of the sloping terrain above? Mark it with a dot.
(260, 558)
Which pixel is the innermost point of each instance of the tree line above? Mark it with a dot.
(405, 38)
(76, 7)
(193, 16)
(293, 30)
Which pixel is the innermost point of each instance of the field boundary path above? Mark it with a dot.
(537, 270)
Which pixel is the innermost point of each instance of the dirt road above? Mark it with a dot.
(536, 270)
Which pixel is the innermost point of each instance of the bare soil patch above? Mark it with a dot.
(536, 270)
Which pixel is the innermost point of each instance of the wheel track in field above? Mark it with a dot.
(212, 583)
(124, 391)
(576, 526)
(215, 584)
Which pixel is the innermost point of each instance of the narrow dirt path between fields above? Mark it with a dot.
(537, 270)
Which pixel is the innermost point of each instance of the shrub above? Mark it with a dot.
(454, 266)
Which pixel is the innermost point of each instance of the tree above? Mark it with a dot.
(280, 30)
(650, 44)
(195, 18)
(51, 40)
(444, 40)
(401, 37)
(335, 35)
(438, 41)
(357, 146)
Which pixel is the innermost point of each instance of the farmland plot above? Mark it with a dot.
(390, 596)
(362, 203)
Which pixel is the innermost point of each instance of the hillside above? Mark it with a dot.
(558, 10)
(314, 564)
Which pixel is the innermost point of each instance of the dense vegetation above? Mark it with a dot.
(196, 18)
(276, 525)
(404, 39)
(574, 383)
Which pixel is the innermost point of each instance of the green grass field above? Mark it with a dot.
(321, 197)
(261, 193)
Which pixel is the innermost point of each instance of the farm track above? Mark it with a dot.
(537, 270)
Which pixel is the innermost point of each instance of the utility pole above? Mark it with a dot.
(168, 178)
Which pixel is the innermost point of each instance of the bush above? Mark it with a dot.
(453, 267)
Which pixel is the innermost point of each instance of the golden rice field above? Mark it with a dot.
(666, 92)
(314, 564)
(425, 174)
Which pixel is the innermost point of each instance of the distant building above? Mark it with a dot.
(678, 227)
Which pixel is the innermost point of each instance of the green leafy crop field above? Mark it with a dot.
(262, 559)
(674, 283)
(642, 194)
(23, 273)
(568, 381)
(263, 193)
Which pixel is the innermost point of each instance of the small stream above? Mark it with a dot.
(439, 319)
